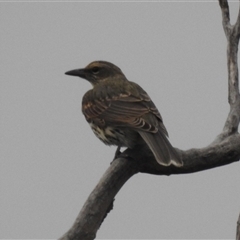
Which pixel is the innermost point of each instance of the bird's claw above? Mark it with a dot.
(117, 154)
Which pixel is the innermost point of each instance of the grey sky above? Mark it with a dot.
(51, 160)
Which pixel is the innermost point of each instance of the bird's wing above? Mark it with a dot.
(126, 110)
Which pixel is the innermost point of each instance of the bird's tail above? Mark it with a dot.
(162, 149)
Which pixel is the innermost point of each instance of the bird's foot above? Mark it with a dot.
(117, 154)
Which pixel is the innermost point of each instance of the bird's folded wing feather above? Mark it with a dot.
(126, 110)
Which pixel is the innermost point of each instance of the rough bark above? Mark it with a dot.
(225, 149)
(238, 229)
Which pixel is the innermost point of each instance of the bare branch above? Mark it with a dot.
(225, 15)
(232, 33)
(238, 229)
(237, 24)
(195, 160)
(100, 201)
(97, 205)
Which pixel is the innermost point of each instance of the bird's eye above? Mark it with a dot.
(95, 70)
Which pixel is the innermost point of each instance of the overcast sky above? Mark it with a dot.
(51, 160)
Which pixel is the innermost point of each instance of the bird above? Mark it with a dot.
(121, 113)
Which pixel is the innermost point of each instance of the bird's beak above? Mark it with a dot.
(77, 73)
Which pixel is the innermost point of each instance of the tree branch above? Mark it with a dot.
(225, 15)
(100, 201)
(238, 229)
(224, 150)
(232, 33)
(195, 160)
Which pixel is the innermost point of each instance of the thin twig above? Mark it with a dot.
(225, 15)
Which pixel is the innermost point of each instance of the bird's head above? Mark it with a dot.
(97, 71)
